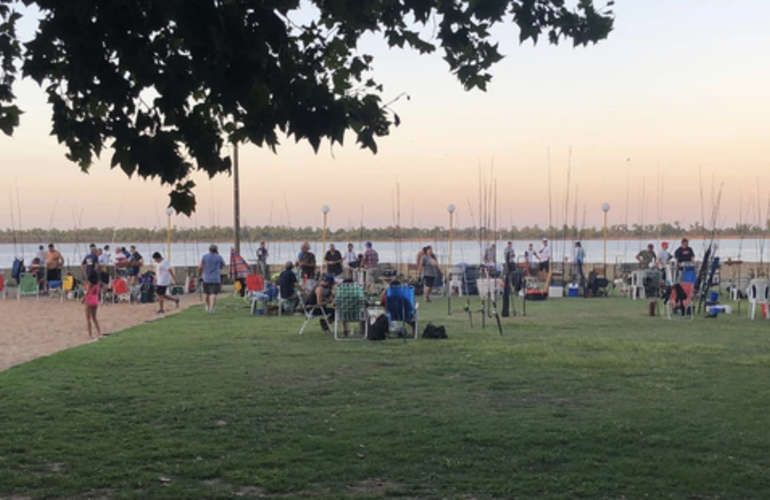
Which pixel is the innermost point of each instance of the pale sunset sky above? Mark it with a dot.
(680, 85)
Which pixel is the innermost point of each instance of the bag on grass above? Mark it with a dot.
(434, 332)
(379, 329)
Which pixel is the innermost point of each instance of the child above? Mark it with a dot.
(91, 301)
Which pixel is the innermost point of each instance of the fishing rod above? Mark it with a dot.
(13, 224)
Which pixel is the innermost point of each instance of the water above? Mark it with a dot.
(189, 254)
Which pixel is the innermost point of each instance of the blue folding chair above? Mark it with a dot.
(400, 306)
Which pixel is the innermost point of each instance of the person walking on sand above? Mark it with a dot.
(165, 276)
(210, 271)
(91, 301)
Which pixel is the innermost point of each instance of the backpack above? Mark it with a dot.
(17, 269)
(434, 332)
(379, 329)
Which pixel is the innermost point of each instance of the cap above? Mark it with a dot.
(545, 239)
(329, 279)
(213, 248)
(664, 244)
(369, 244)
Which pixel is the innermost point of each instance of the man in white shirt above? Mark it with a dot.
(663, 255)
(164, 275)
(544, 256)
(350, 256)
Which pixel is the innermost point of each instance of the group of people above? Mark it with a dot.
(535, 260)
(648, 259)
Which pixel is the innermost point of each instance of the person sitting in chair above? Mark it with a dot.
(322, 299)
(288, 286)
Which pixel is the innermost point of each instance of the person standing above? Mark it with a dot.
(544, 257)
(684, 253)
(90, 265)
(262, 256)
(307, 262)
(333, 261)
(135, 263)
(530, 258)
(509, 254)
(210, 271)
(429, 271)
(578, 261)
(369, 263)
(663, 256)
(646, 258)
(351, 259)
(288, 286)
(91, 302)
(53, 263)
(490, 256)
(40, 255)
(165, 276)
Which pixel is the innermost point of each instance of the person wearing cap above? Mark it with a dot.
(684, 253)
(544, 256)
(663, 256)
(322, 299)
(288, 285)
(135, 262)
(210, 271)
(646, 258)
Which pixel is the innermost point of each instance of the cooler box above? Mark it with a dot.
(556, 292)
(573, 291)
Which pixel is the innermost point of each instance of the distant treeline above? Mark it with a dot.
(282, 233)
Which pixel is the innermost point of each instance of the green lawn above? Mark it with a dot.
(580, 399)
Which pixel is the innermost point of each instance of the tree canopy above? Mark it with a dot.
(166, 84)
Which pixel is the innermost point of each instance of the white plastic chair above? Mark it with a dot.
(456, 278)
(758, 292)
(637, 285)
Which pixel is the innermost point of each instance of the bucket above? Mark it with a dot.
(573, 291)
(714, 297)
(258, 312)
(688, 276)
(716, 309)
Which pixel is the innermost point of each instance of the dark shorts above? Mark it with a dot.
(53, 275)
(544, 266)
(212, 288)
(428, 281)
(132, 271)
(161, 290)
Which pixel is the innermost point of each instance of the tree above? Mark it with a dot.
(166, 83)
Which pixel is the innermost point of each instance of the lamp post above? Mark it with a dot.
(605, 209)
(325, 209)
(451, 209)
(169, 213)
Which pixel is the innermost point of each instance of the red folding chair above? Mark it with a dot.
(120, 290)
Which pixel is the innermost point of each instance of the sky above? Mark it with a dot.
(679, 92)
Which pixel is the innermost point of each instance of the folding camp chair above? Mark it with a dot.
(254, 284)
(400, 306)
(679, 301)
(351, 307)
(69, 287)
(27, 286)
(56, 288)
(311, 312)
(120, 290)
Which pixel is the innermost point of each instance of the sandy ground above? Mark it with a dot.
(32, 328)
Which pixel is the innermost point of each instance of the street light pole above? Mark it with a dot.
(325, 209)
(605, 209)
(169, 213)
(451, 209)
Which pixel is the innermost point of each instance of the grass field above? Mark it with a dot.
(580, 399)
